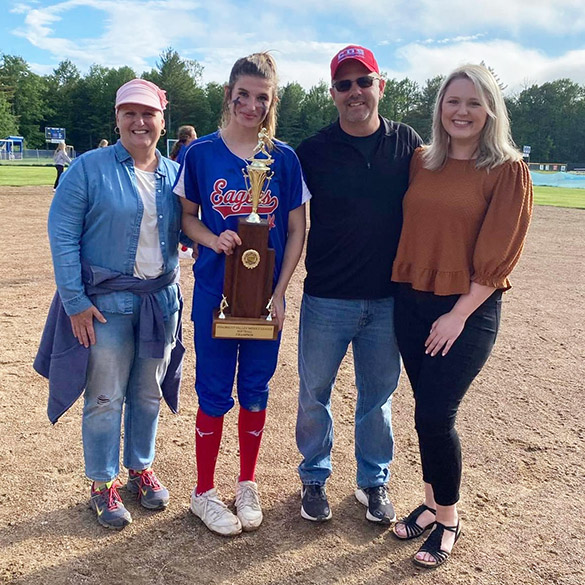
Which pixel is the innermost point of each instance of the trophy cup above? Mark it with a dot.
(245, 309)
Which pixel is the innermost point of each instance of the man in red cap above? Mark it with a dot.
(357, 172)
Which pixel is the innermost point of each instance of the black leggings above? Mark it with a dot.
(60, 169)
(439, 383)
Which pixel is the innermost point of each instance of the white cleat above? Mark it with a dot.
(214, 513)
(248, 505)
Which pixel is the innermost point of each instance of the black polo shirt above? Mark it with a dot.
(355, 210)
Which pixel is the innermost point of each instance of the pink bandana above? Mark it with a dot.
(142, 92)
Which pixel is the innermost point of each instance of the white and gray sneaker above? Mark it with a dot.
(379, 507)
(214, 513)
(248, 505)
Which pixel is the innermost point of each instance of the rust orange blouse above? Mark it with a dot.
(462, 224)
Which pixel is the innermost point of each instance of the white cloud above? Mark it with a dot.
(388, 18)
(23, 7)
(460, 39)
(559, 17)
(305, 35)
(41, 69)
(132, 31)
(515, 65)
(304, 62)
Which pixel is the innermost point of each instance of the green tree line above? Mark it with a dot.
(548, 117)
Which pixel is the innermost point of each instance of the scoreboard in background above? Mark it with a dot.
(54, 135)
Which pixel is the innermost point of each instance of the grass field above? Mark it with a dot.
(19, 176)
(22, 176)
(28, 162)
(560, 197)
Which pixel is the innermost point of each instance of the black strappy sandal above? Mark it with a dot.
(432, 546)
(413, 530)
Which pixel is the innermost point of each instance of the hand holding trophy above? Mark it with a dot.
(245, 310)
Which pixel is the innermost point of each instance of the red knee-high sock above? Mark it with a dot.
(250, 428)
(208, 431)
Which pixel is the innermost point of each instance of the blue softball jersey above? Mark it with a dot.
(211, 176)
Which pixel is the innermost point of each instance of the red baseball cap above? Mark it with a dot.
(357, 53)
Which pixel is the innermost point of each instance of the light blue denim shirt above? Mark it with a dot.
(96, 215)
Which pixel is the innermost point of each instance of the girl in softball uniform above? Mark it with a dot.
(214, 196)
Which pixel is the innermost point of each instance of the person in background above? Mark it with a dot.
(466, 214)
(103, 143)
(185, 136)
(60, 159)
(210, 176)
(357, 172)
(114, 326)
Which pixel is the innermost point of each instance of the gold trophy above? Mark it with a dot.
(245, 309)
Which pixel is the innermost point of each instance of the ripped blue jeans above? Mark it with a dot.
(118, 380)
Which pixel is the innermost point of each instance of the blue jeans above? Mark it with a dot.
(117, 376)
(327, 327)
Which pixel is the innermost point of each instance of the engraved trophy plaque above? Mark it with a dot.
(245, 310)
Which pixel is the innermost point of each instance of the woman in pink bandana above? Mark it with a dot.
(114, 228)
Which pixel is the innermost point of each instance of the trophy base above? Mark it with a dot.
(243, 327)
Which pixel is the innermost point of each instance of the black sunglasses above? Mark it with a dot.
(364, 82)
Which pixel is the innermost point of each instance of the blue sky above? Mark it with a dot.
(524, 41)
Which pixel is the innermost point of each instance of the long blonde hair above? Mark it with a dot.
(496, 145)
(260, 65)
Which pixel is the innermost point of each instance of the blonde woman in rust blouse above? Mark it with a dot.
(466, 214)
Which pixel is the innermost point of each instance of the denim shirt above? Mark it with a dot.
(96, 215)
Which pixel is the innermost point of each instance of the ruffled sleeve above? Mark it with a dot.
(503, 231)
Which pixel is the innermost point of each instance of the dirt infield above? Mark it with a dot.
(522, 427)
